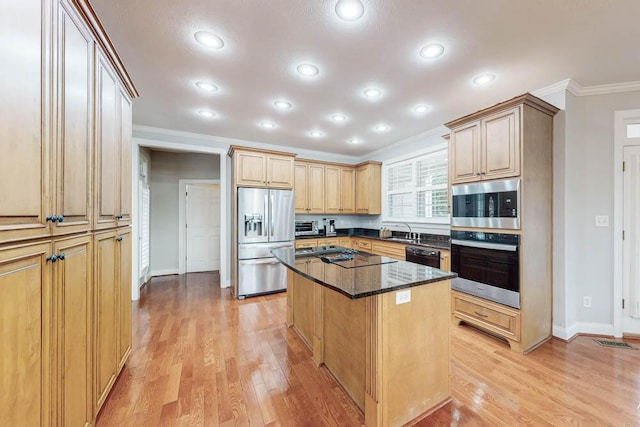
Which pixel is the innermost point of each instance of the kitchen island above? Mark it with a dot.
(379, 325)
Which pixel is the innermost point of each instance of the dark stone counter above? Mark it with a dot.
(357, 274)
(426, 240)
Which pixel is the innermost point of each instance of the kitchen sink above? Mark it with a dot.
(402, 240)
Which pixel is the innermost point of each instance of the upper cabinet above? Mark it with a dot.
(257, 168)
(309, 187)
(368, 184)
(489, 144)
(25, 121)
(488, 148)
(339, 189)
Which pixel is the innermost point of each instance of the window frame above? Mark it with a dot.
(413, 157)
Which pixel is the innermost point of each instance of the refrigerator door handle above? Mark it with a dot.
(266, 212)
(272, 214)
(260, 261)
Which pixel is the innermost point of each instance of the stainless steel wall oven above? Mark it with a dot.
(487, 264)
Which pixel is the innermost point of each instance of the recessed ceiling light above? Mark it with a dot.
(210, 87)
(268, 125)
(421, 109)
(316, 134)
(308, 70)
(354, 141)
(372, 92)
(381, 128)
(283, 105)
(339, 118)
(483, 79)
(349, 10)
(209, 39)
(207, 114)
(432, 50)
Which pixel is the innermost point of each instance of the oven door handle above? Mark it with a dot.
(485, 245)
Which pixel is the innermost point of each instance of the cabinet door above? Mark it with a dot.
(347, 190)
(464, 153)
(300, 187)
(250, 169)
(73, 286)
(280, 171)
(106, 315)
(25, 319)
(74, 136)
(124, 295)
(315, 188)
(501, 145)
(24, 119)
(332, 190)
(107, 164)
(125, 131)
(362, 190)
(445, 260)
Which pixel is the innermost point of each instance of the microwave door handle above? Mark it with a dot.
(485, 245)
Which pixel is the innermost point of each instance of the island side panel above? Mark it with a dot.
(344, 342)
(303, 315)
(413, 370)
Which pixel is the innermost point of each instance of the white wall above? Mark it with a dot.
(166, 169)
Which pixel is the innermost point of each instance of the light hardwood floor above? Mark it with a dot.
(202, 358)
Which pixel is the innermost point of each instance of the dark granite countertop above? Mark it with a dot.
(361, 276)
(426, 240)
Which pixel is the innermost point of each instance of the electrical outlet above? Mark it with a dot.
(602, 220)
(586, 302)
(403, 297)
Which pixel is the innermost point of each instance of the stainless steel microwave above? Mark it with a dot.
(307, 228)
(491, 204)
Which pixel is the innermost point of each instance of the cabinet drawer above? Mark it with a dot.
(392, 250)
(328, 242)
(306, 243)
(493, 317)
(364, 244)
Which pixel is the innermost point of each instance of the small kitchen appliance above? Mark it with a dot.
(329, 226)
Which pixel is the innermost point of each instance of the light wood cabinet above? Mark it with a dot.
(339, 189)
(513, 139)
(368, 184)
(26, 304)
(306, 243)
(445, 260)
(112, 307)
(74, 149)
(389, 249)
(73, 285)
(486, 149)
(309, 187)
(257, 168)
(25, 120)
(66, 115)
(106, 315)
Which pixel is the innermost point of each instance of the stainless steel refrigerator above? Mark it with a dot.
(266, 220)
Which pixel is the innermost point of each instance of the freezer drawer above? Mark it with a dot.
(259, 276)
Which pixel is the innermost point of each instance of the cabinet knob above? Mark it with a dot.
(119, 239)
(62, 256)
(483, 173)
(478, 173)
(119, 216)
(52, 218)
(52, 258)
(60, 218)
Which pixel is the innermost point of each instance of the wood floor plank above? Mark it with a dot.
(201, 358)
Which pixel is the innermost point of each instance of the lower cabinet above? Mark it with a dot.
(112, 308)
(73, 295)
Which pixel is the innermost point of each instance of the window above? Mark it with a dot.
(416, 189)
(633, 130)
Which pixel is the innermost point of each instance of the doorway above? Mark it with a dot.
(627, 224)
(199, 226)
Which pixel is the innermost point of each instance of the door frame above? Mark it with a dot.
(620, 141)
(225, 179)
(182, 218)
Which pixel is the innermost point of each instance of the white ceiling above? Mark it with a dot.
(528, 44)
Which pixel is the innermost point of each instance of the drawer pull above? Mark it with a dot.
(481, 315)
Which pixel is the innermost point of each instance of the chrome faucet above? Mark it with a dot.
(409, 235)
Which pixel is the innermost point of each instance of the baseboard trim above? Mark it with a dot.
(583, 328)
(225, 284)
(166, 272)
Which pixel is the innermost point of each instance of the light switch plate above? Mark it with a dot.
(403, 297)
(602, 220)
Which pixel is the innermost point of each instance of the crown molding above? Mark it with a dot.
(438, 132)
(576, 89)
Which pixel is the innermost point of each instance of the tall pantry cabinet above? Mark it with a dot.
(53, 198)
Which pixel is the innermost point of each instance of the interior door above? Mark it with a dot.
(631, 242)
(203, 227)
